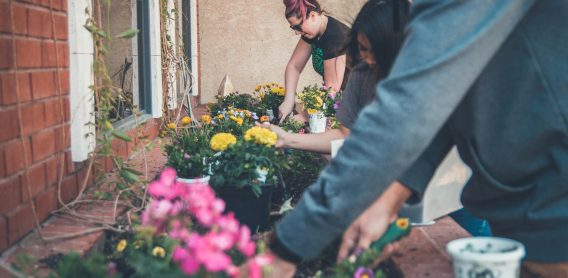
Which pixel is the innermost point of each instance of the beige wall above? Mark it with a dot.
(247, 39)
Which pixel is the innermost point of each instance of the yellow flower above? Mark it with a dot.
(206, 119)
(172, 125)
(240, 121)
(121, 245)
(264, 119)
(402, 223)
(319, 102)
(186, 120)
(257, 88)
(281, 91)
(261, 136)
(248, 114)
(221, 141)
(108, 125)
(220, 116)
(312, 111)
(158, 252)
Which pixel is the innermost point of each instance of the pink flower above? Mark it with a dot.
(223, 241)
(233, 271)
(302, 131)
(363, 272)
(188, 264)
(217, 261)
(244, 244)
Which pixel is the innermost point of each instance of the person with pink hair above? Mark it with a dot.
(324, 38)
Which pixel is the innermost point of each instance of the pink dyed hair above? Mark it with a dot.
(301, 8)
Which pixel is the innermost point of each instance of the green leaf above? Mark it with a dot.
(121, 135)
(129, 177)
(128, 34)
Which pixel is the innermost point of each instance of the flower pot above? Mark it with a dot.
(270, 114)
(317, 122)
(249, 209)
(204, 179)
(486, 257)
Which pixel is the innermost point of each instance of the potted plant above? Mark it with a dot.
(271, 95)
(320, 103)
(189, 152)
(245, 172)
(242, 101)
(233, 120)
(486, 257)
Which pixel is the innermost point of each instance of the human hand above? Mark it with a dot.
(368, 227)
(285, 109)
(281, 134)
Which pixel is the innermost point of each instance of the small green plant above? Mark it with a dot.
(189, 150)
(270, 96)
(234, 100)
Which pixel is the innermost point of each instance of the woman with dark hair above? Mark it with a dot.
(375, 38)
(323, 38)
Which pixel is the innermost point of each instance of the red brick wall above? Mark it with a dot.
(44, 106)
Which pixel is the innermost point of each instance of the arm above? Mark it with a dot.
(320, 142)
(295, 66)
(426, 84)
(333, 72)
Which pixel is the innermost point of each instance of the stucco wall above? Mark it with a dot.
(247, 39)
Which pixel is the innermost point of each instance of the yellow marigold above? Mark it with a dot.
(172, 125)
(158, 252)
(281, 91)
(206, 119)
(261, 136)
(248, 114)
(121, 245)
(312, 111)
(257, 88)
(264, 119)
(220, 116)
(319, 102)
(186, 120)
(221, 141)
(240, 121)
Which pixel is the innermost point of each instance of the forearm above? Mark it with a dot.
(320, 142)
(291, 77)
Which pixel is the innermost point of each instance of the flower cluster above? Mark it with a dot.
(221, 141)
(270, 96)
(172, 210)
(261, 136)
(322, 99)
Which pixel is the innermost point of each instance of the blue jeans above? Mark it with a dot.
(473, 225)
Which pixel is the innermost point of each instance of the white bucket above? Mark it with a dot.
(317, 123)
(204, 179)
(486, 257)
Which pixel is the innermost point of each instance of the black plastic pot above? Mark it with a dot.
(249, 209)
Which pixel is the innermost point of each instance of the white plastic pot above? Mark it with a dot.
(486, 257)
(204, 179)
(317, 122)
(261, 174)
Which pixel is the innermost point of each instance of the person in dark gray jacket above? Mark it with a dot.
(490, 76)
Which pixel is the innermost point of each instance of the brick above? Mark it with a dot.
(53, 113)
(39, 23)
(2, 164)
(6, 55)
(20, 19)
(43, 145)
(48, 55)
(9, 128)
(5, 18)
(67, 109)
(43, 84)
(33, 117)
(14, 156)
(69, 164)
(11, 194)
(60, 27)
(63, 54)
(46, 202)
(5, 272)
(64, 81)
(28, 53)
(53, 169)
(3, 236)
(8, 88)
(37, 182)
(69, 189)
(62, 138)
(20, 222)
(82, 175)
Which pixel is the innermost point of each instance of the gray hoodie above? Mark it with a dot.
(490, 76)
